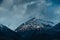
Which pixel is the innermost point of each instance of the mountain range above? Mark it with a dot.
(31, 30)
(34, 29)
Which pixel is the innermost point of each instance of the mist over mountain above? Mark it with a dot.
(15, 12)
(29, 19)
(34, 30)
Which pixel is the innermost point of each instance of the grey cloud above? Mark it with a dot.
(13, 14)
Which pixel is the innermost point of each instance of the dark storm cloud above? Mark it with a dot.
(1, 1)
(56, 2)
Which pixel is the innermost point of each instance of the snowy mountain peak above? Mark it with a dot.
(33, 24)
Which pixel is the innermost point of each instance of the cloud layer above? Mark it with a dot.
(15, 12)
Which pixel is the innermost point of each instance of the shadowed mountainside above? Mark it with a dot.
(31, 30)
(7, 34)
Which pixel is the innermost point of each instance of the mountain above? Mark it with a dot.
(7, 34)
(57, 26)
(34, 24)
(34, 29)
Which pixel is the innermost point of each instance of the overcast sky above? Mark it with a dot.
(15, 12)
